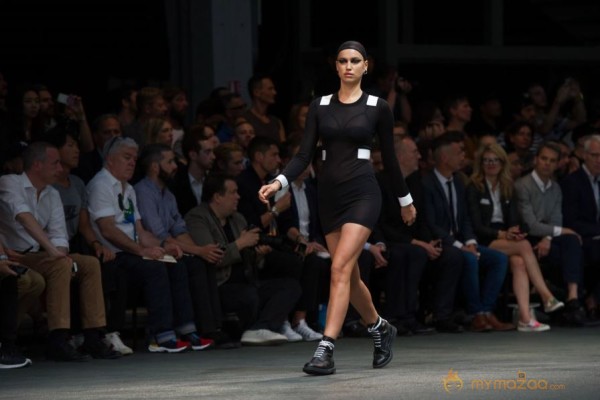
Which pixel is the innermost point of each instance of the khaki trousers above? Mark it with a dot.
(58, 274)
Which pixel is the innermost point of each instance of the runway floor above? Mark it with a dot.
(563, 363)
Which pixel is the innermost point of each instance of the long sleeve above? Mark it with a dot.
(385, 127)
(482, 229)
(305, 155)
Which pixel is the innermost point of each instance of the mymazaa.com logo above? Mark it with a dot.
(453, 383)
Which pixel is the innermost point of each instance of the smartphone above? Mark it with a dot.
(19, 269)
(65, 99)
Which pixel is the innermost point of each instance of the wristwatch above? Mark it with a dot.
(274, 211)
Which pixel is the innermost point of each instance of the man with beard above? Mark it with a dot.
(158, 208)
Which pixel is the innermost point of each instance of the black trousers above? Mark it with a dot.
(204, 294)
(264, 305)
(567, 255)
(405, 268)
(441, 280)
(591, 253)
(8, 310)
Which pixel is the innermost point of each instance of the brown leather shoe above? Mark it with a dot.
(480, 324)
(497, 325)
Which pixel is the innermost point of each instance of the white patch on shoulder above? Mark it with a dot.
(325, 100)
(372, 100)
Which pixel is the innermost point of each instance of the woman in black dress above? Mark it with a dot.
(349, 196)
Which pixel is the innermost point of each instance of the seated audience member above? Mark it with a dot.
(581, 212)
(104, 128)
(516, 167)
(519, 138)
(262, 92)
(116, 220)
(10, 356)
(81, 236)
(539, 201)
(229, 159)
(448, 219)
(414, 251)
(150, 103)
(32, 221)
(177, 107)
(493, 210)
(157, 130)
(158, 209)
(235, 107)
(243, 135)
(298, 114)
(189, 179)
(262, 305)
(300, 224)
(279, 262)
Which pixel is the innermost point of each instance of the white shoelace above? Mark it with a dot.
(323, 345)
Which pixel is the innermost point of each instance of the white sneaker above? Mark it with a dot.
(306, 332)
(287, 331)
(262, 337)
(532, 326)
(113, 339)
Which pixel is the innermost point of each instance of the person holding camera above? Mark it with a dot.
(494, 214)
(32, 221)
(349, 197)
(262, 305)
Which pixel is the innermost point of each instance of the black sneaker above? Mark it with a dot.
(100, 349)
(322, 361)
(448, 326)
(383, 339)
(573, 314)
(11, 358)
(65, 352)
(416, 328)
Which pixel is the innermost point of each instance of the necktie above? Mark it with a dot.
(453, 226)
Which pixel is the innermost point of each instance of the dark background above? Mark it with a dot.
(88, 47)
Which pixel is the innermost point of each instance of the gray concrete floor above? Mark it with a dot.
(566, 360)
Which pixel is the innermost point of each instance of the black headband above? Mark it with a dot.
(351, 44)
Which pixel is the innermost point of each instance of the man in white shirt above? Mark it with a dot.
(32, 221)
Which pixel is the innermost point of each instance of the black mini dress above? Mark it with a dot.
(347, 188)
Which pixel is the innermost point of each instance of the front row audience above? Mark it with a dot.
(194, 261)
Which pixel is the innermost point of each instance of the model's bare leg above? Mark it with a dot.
(345, 247)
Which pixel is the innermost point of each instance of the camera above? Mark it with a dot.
(19, 269)
(279, 242)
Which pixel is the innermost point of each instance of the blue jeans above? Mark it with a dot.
(494, 265)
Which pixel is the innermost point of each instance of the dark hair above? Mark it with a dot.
(516, 126)
(260, 144)
(452, 101)
(152, 153)
(354, 45)
(213, 184)
(191, 140)
(447, 139)
(57, 136)
(36, 151)
(551, 146)
(99, 121)
(255, 82)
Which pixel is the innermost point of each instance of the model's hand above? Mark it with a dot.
(265, 192)
(409, 214)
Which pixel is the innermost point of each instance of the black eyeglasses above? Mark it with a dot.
(111, 144)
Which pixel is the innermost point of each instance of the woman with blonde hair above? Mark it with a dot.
(158, 130)
(493, 211)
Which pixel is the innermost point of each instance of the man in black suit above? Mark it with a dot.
(187, 185)
(413, 251)
(448, 219)
(581, 211)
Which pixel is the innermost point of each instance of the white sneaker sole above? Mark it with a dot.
(158, 349)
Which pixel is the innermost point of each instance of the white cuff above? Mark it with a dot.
(457, 244)
(282, 179)
(557, 231)
(406, 200)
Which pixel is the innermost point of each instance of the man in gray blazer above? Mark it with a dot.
(261, 305)
(539, 200)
